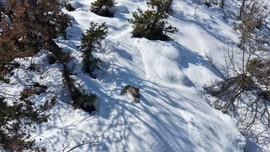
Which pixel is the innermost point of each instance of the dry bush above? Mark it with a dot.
(32, 24)
(29, 26)
(8, 52)
(246, 97)
(252, 15)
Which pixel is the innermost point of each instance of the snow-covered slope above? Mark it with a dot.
(172, 115)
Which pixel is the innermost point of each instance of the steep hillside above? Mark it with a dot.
(172, 114)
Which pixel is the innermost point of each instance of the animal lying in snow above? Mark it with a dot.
(135, 92)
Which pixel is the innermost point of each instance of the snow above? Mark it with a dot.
(172, 114)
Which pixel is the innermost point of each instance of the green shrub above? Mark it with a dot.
(69, 7)
(103, 7)
(13, 121)
(91, 42)
(87, 102)
(52, 58)
(81, 100)
(5, 80)
(151, 24)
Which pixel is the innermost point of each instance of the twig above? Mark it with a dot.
(86, 143)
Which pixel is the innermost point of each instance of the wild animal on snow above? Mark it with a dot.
(134, 91)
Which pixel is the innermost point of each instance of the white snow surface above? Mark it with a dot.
(172, 115)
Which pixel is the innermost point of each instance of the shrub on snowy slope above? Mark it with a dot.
(102, 7)
(14, 119)
(86, 102)
(31, 25)
(91, 42)
(253, 89)
(245, 94)
(7, 50)
(151, 24)
(27, 27)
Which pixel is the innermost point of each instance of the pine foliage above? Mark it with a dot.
(91, 42)
(82, 100)
(152, 24)
(103, 7)
(13, 122)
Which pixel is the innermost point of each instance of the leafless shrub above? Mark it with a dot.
(245, 93)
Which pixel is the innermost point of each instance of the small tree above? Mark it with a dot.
(13, 122)
(222, 3)
(91, 42)
(103, 7)
(151, 24)
(82, 100)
